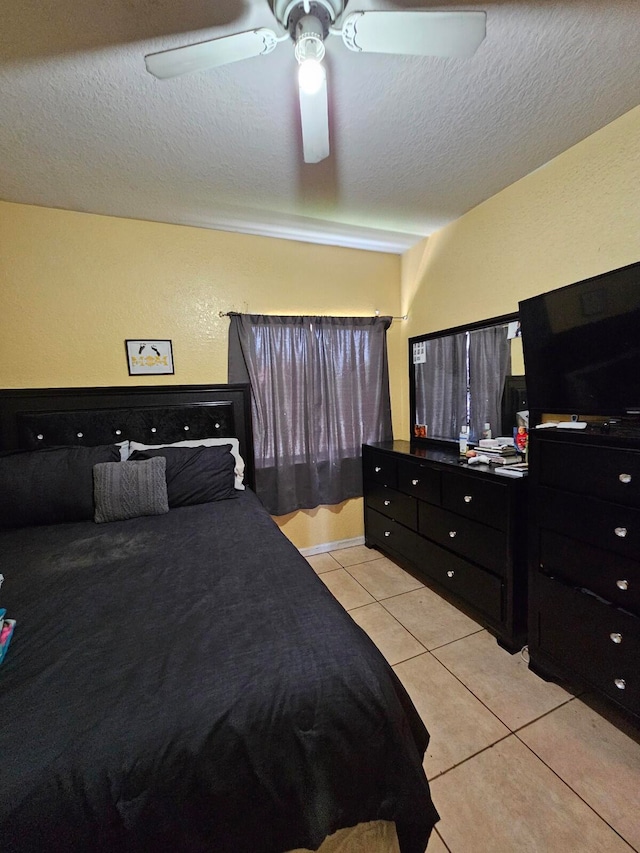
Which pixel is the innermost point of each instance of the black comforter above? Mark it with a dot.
(186, 682)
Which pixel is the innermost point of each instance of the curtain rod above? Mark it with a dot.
(237, 314)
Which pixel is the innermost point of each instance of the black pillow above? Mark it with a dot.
(125, 490)
(196, 475)
(51, 485)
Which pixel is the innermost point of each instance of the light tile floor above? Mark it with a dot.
(516, 764)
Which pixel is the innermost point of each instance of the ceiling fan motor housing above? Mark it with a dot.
(290, 12)
(309, 39)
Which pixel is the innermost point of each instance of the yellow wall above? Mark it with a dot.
(73, 286)
(576, 217)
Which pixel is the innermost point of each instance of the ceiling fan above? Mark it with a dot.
(308, 23)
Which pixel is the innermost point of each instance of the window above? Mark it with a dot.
(319, 389)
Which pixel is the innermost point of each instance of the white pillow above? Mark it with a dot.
(125, 451)
(203, 442)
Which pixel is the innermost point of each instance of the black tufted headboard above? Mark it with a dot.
(48, 417)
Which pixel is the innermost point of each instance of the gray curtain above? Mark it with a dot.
(489, 364)
(319, 390)
(441, 386)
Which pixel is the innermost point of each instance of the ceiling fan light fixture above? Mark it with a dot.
(309, 39)
(311, 76)
(308, 23)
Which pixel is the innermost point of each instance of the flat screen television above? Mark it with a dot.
(581, 346)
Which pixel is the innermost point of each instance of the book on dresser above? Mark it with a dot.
(512, 459)
(520, 469)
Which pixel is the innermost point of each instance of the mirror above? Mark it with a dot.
(468, 375)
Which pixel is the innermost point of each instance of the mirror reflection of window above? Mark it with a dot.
(441, 386)
(458, 378)
(489, 363)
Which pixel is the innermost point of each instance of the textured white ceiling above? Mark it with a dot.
(416, 142)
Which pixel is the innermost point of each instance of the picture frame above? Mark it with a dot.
(147, 357)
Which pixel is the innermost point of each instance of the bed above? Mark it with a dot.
(183, 680)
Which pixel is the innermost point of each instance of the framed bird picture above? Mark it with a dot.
(149, 357)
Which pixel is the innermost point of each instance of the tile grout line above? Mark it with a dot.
(350, 609)
(411, 657)
(386, 597)
(510, 732)
(346, 569)
(439, 834)
(566, 784)
(395, 618)
(381, 600)
(543, 715)
(429, 651)
(450, 642)
(482, 702)
(560, 779)
(515, 733)
(433, 648)
(444, 645)
(504, 737)
(474, 755)
(407, 592)
(410, 632)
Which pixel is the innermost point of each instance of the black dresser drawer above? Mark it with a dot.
(609, 473)
(608, 526)
(476, 498)
(420, 480)
(379, 468)
(393, 504)
(597, 641)
(481, 590)
(615, 578)
(484, 545)
(390, 534)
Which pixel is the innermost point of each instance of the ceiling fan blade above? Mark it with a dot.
(209, 54)
(417, 33)
(314, 115)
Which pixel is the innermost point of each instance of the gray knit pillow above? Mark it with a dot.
(129, 489)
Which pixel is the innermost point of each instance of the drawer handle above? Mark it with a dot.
(622, 584)
(450, 573)
(387, 533)
(621, 532)
(386, 503)
(616, 637)
(453, 533)
(620, 683)
(624, 478)
(377, 469)
(415, 482)
(468, 499)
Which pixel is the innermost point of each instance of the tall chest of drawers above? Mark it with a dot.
(584, 566)
(460, 529)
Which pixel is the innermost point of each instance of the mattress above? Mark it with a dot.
(187, 682)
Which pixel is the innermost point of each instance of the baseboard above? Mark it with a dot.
(331, 546)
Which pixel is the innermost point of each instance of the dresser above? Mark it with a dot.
(460, 529)
(584, 564)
